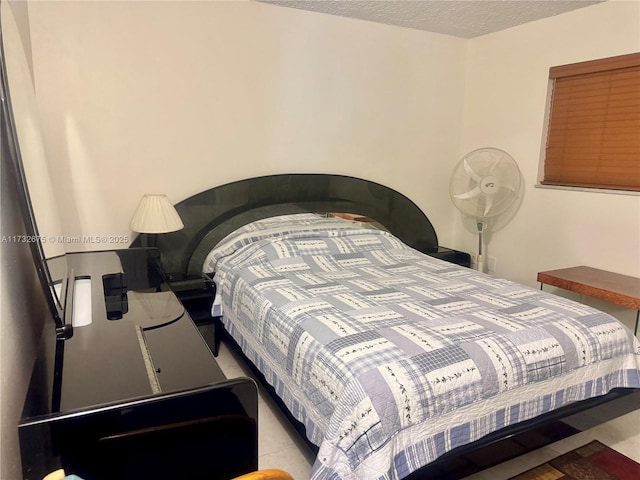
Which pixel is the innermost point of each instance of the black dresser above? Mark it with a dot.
(135, 392)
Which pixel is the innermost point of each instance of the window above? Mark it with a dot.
(593, 137)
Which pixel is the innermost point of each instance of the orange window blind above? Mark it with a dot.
(593, 137)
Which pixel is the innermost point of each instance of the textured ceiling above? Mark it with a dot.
(466, 19)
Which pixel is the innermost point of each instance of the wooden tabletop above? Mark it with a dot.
(612, 287)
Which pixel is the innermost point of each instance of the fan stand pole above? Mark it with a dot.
(480, 259)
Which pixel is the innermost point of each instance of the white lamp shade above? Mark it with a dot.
(155, 214)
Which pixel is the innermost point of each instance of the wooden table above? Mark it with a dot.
(612, 287)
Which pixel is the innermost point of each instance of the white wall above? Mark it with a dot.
(507, 86)
(177, 97)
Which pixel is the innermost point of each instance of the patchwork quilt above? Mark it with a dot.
(391, 358)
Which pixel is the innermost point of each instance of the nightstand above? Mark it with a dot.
(195, 292)
(453, 256)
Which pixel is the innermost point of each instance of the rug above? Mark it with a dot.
(594, 461)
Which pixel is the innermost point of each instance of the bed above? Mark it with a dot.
(389, 357)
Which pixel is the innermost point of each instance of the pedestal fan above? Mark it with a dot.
(485, 183)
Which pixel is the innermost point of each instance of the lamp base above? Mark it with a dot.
(149, 240)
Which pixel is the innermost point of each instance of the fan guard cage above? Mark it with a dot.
(485, 183)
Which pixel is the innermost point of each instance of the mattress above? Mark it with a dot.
(391, 358)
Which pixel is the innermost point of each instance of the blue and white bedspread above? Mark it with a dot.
(391, 358)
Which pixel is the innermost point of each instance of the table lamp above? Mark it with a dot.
(154, 215)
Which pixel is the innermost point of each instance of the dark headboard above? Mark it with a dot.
(212, 214)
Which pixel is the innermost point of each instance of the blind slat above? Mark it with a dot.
(617, 78)
(601, 114)
(572, 100)
(600, 139)
(589, 129)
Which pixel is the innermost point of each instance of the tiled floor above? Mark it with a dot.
(281, 447)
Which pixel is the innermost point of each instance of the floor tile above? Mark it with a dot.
(274, 431)
(289, 459)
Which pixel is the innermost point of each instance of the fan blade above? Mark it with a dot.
(469, 170)
(488, 204)
(495, 164)
(470, 194)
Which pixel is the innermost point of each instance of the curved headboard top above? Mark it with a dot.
(210, 215)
